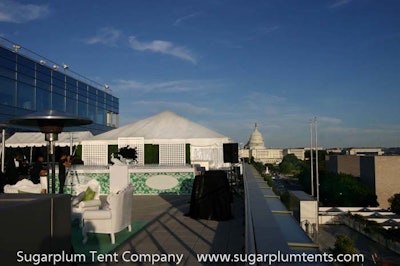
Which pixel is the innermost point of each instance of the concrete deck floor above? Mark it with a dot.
(170, 231)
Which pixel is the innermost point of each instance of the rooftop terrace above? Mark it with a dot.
(261, 224)
(169, 231)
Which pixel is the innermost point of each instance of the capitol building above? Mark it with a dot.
(255, 148)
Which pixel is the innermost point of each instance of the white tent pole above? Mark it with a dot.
(30, 155)
(3, 145)
(71, 143)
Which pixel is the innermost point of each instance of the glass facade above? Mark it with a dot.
(27, 86)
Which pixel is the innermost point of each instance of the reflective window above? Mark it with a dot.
(43, 100)
(101, 99)
(42, 70)
(25, 96)
(115, 105)
(71, 105)
(92, 95)
(8, 91)
(28, 79)
(43, 85)
(58, 90)
(92, 90)
(58, 102)
(92, 110)
(7, 64)
(58, 76)
(82, 108)
(9, 73)
(43, 76)
(71, 86)
(101, 116)
(82, 99)
(8, 54)
(26, 70)
(58, 83)
(25, 64)
(82, 90)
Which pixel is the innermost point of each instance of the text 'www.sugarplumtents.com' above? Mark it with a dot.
(278, 257)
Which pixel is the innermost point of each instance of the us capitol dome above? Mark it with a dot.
(255, 149)
(256, 140)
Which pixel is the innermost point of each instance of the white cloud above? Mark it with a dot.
(267, 30)
(264, 98)
(174, 86)
(179, 107)
(163, 47)
(14, 12)
(169, 86)
(329, 120)
(339, 3)
(151, 107)
(185, 18)
(107, 36)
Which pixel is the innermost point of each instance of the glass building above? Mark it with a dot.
(29, 84)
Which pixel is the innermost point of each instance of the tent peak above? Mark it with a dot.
(164, 125)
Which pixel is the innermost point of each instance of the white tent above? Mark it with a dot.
(36, 139)
(168, 130)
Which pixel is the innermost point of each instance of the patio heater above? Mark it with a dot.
(51, 123)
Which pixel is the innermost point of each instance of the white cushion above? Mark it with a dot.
(24, 185)
(90, 203)
(98, 214)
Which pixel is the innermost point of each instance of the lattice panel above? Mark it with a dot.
(172, 154)
(95, 154)
(137, 143)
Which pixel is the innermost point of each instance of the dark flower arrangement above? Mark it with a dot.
(128, 153)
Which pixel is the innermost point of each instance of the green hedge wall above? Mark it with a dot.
(151, 154)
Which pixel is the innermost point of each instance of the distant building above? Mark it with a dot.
(382, 174)
(270, 156)
(299, 152)
(305, 210)
(355, 151)
(334, 151)
(343, 164)
(363, 151)
(255, 148)
(30, 83)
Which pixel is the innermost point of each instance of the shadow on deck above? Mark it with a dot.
(169, 231)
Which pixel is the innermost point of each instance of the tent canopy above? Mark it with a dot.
(165, 125)
(36, 139)
(168, 130)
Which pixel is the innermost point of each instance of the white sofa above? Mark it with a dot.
(23, 186)
(113, 217)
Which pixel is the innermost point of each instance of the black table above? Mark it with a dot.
(211, 197)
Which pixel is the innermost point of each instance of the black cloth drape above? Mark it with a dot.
(211, 197)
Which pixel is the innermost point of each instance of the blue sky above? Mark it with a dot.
(227, 64)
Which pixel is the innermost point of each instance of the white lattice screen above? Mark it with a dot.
(95, 154)
(172, 154)
(137, 143)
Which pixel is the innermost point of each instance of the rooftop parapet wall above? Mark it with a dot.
(269, 226)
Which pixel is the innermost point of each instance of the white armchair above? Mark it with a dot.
(79, 205)
(112, 218)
